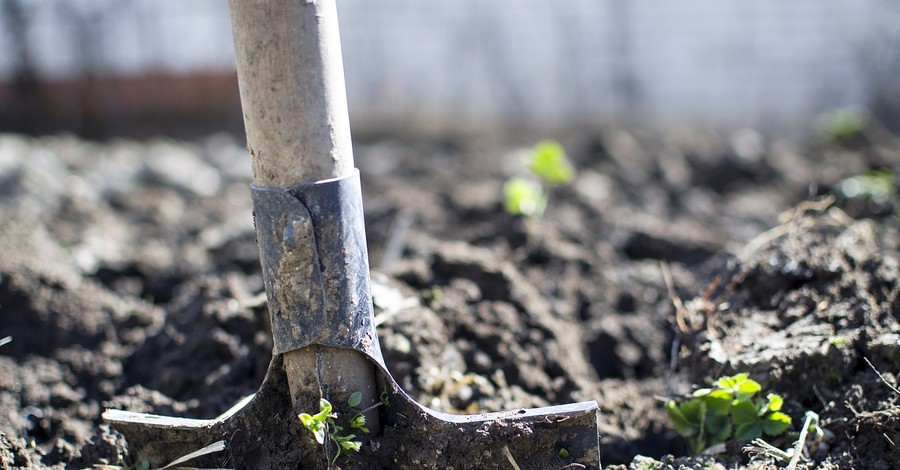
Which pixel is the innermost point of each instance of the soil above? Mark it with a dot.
(130, 279)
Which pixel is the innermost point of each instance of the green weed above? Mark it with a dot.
(548, 167)
(524, 197)
(549, 163)
(842, 124)
(324, 425)
(876, 186)
(729, 410)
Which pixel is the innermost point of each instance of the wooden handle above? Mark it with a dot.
(291, 79)
(288, 56)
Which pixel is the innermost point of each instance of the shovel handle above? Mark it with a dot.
(291, 79)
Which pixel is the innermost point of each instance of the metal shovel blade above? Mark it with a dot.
(262, 432)
(326, 218)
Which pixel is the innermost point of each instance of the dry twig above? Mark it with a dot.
(893, 388)
(811, 419)
(510, 457)
(676, 301)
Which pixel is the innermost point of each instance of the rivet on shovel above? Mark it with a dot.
(309, 223)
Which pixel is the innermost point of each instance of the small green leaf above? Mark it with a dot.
(347, 443)
(746, 389)
(718, 428)
(324, 408)
(716, 424)
(307, 420)
(730, 382)
(563, 453)
(718, 402)
(842, 123)
(774, 402)
(354, 400)
(748, 431)
(683, 426)
(351, 446)
(524, 197)
(314, 425)
(743, 412)
(776, 423)
(742, 386)
(693, 409)
(875, 185)
(358, 421)
(702, 392)
(548, 162)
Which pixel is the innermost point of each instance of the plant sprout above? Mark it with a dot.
(842, 124)
(548, 162)
(730, 410)
(525, 197)
(323, 424)
(874, 185)
(548, 167)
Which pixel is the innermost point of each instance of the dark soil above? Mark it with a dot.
(129, 278)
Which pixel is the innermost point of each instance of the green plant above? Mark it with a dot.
(324, 424)
(876, 186)
(525, 197)
(729, 410)
(548, 162)
(385, 397)
(842, 124)
(548, 166)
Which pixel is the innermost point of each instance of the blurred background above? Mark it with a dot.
(436, 68)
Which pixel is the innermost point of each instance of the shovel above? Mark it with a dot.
(310, 228)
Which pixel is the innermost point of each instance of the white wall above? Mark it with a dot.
(485, 64)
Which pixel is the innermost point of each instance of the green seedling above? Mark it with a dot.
(385, 397)
(548, 162)
(729, 410)
(876, 186)
(324, 424)
(841, 125)
(358, 421)
(548, 166)
(524, 197)
(753, 418)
